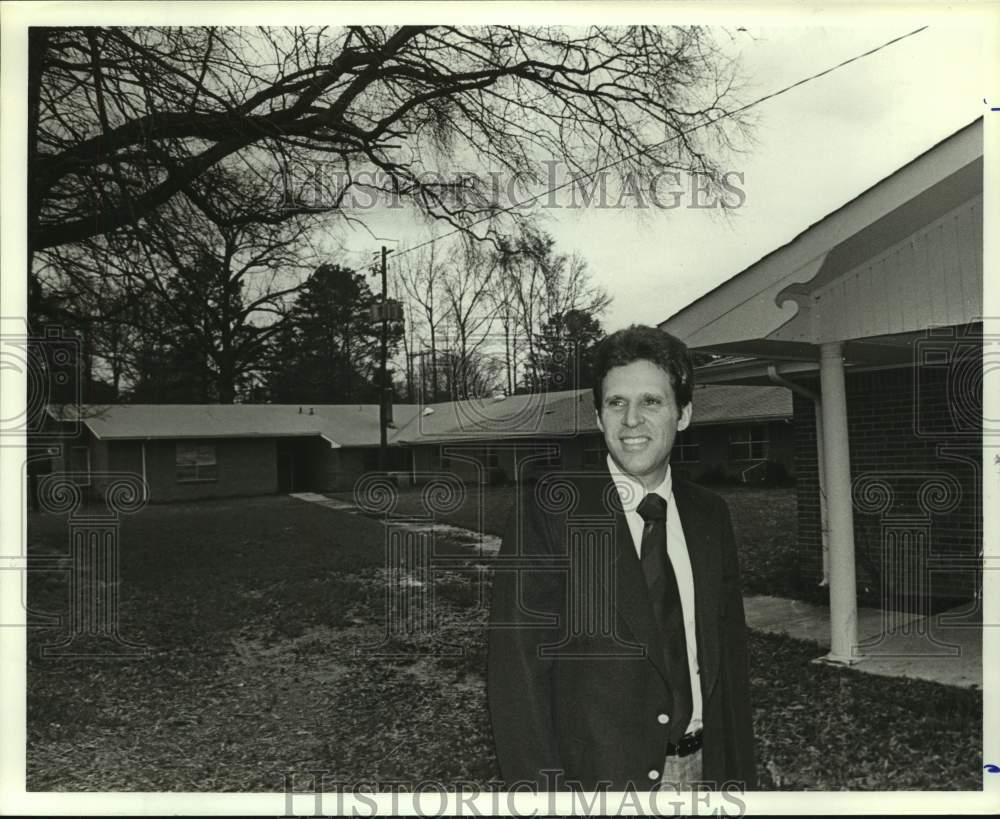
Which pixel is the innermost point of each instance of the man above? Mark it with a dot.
(617, 649)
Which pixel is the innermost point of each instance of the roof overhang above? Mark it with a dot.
(495, 438)
(757, 362)
(210, 436)
(744, 314)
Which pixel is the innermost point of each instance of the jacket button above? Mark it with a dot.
(663, 719)
(653, 775)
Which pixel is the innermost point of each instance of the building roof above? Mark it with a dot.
(534, 415)
(339, 424)
(546, 414)
(871, 269)
(726, 404)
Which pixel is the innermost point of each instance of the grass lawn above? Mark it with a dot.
(763, 519)
(265, 620)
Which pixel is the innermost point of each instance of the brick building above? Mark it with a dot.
(873, 318)
(193, 451)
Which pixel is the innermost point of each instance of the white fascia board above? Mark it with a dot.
(791, 262)
(738, 372)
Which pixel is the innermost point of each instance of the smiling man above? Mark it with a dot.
(617, 653)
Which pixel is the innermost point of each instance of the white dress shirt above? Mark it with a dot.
(631, 493)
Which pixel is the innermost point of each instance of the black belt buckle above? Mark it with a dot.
(687, 745)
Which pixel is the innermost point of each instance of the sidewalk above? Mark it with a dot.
(945, 648)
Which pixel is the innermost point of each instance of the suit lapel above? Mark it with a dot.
(600, 497)
(703, 550)
(631, 598)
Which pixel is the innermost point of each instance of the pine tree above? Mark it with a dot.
(328, 352)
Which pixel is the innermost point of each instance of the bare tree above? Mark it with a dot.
(218, 291)
(568, 287)
(539, 284)
(467, 281)
(420, 275)
(122, 120)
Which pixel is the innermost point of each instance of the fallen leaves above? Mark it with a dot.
(255, 673)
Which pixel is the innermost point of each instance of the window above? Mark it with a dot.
(748, 443)
(196, 462)
(685, 449)
(593, 453)
(79, 462)
(549, 455)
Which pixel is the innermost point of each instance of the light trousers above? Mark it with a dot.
(681, 772)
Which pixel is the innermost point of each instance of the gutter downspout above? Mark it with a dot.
(824, 526)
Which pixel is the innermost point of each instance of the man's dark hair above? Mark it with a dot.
(641, 343)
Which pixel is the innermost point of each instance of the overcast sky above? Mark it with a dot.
(816, 147)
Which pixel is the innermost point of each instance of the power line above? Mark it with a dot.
(673, 138)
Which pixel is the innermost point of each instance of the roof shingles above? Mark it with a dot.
(535, 415)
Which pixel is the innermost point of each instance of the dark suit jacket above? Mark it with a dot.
(576, 678)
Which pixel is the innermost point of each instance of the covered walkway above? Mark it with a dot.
(945, 648)
(872, 318)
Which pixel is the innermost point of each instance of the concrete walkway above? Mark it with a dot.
(323, 500)
(945, 648)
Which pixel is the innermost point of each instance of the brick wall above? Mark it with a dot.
(342, 468)
(909, 434)
(714, 451)
(246, 466)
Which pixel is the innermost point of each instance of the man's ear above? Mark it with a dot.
(685, 419)
(597, 416)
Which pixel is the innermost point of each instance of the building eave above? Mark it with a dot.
(761, 299)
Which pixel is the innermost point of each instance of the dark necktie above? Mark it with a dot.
(666, 599)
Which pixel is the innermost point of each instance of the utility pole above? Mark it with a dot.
(383, 313)
(384, 391)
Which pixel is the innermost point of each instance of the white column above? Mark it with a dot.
(840, 510)
(824, 526)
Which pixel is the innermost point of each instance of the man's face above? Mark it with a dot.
(639, 419)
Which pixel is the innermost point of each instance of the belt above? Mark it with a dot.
(688, 744)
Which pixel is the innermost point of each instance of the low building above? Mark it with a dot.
(736, 435)
(194, 451)
(188, 452)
